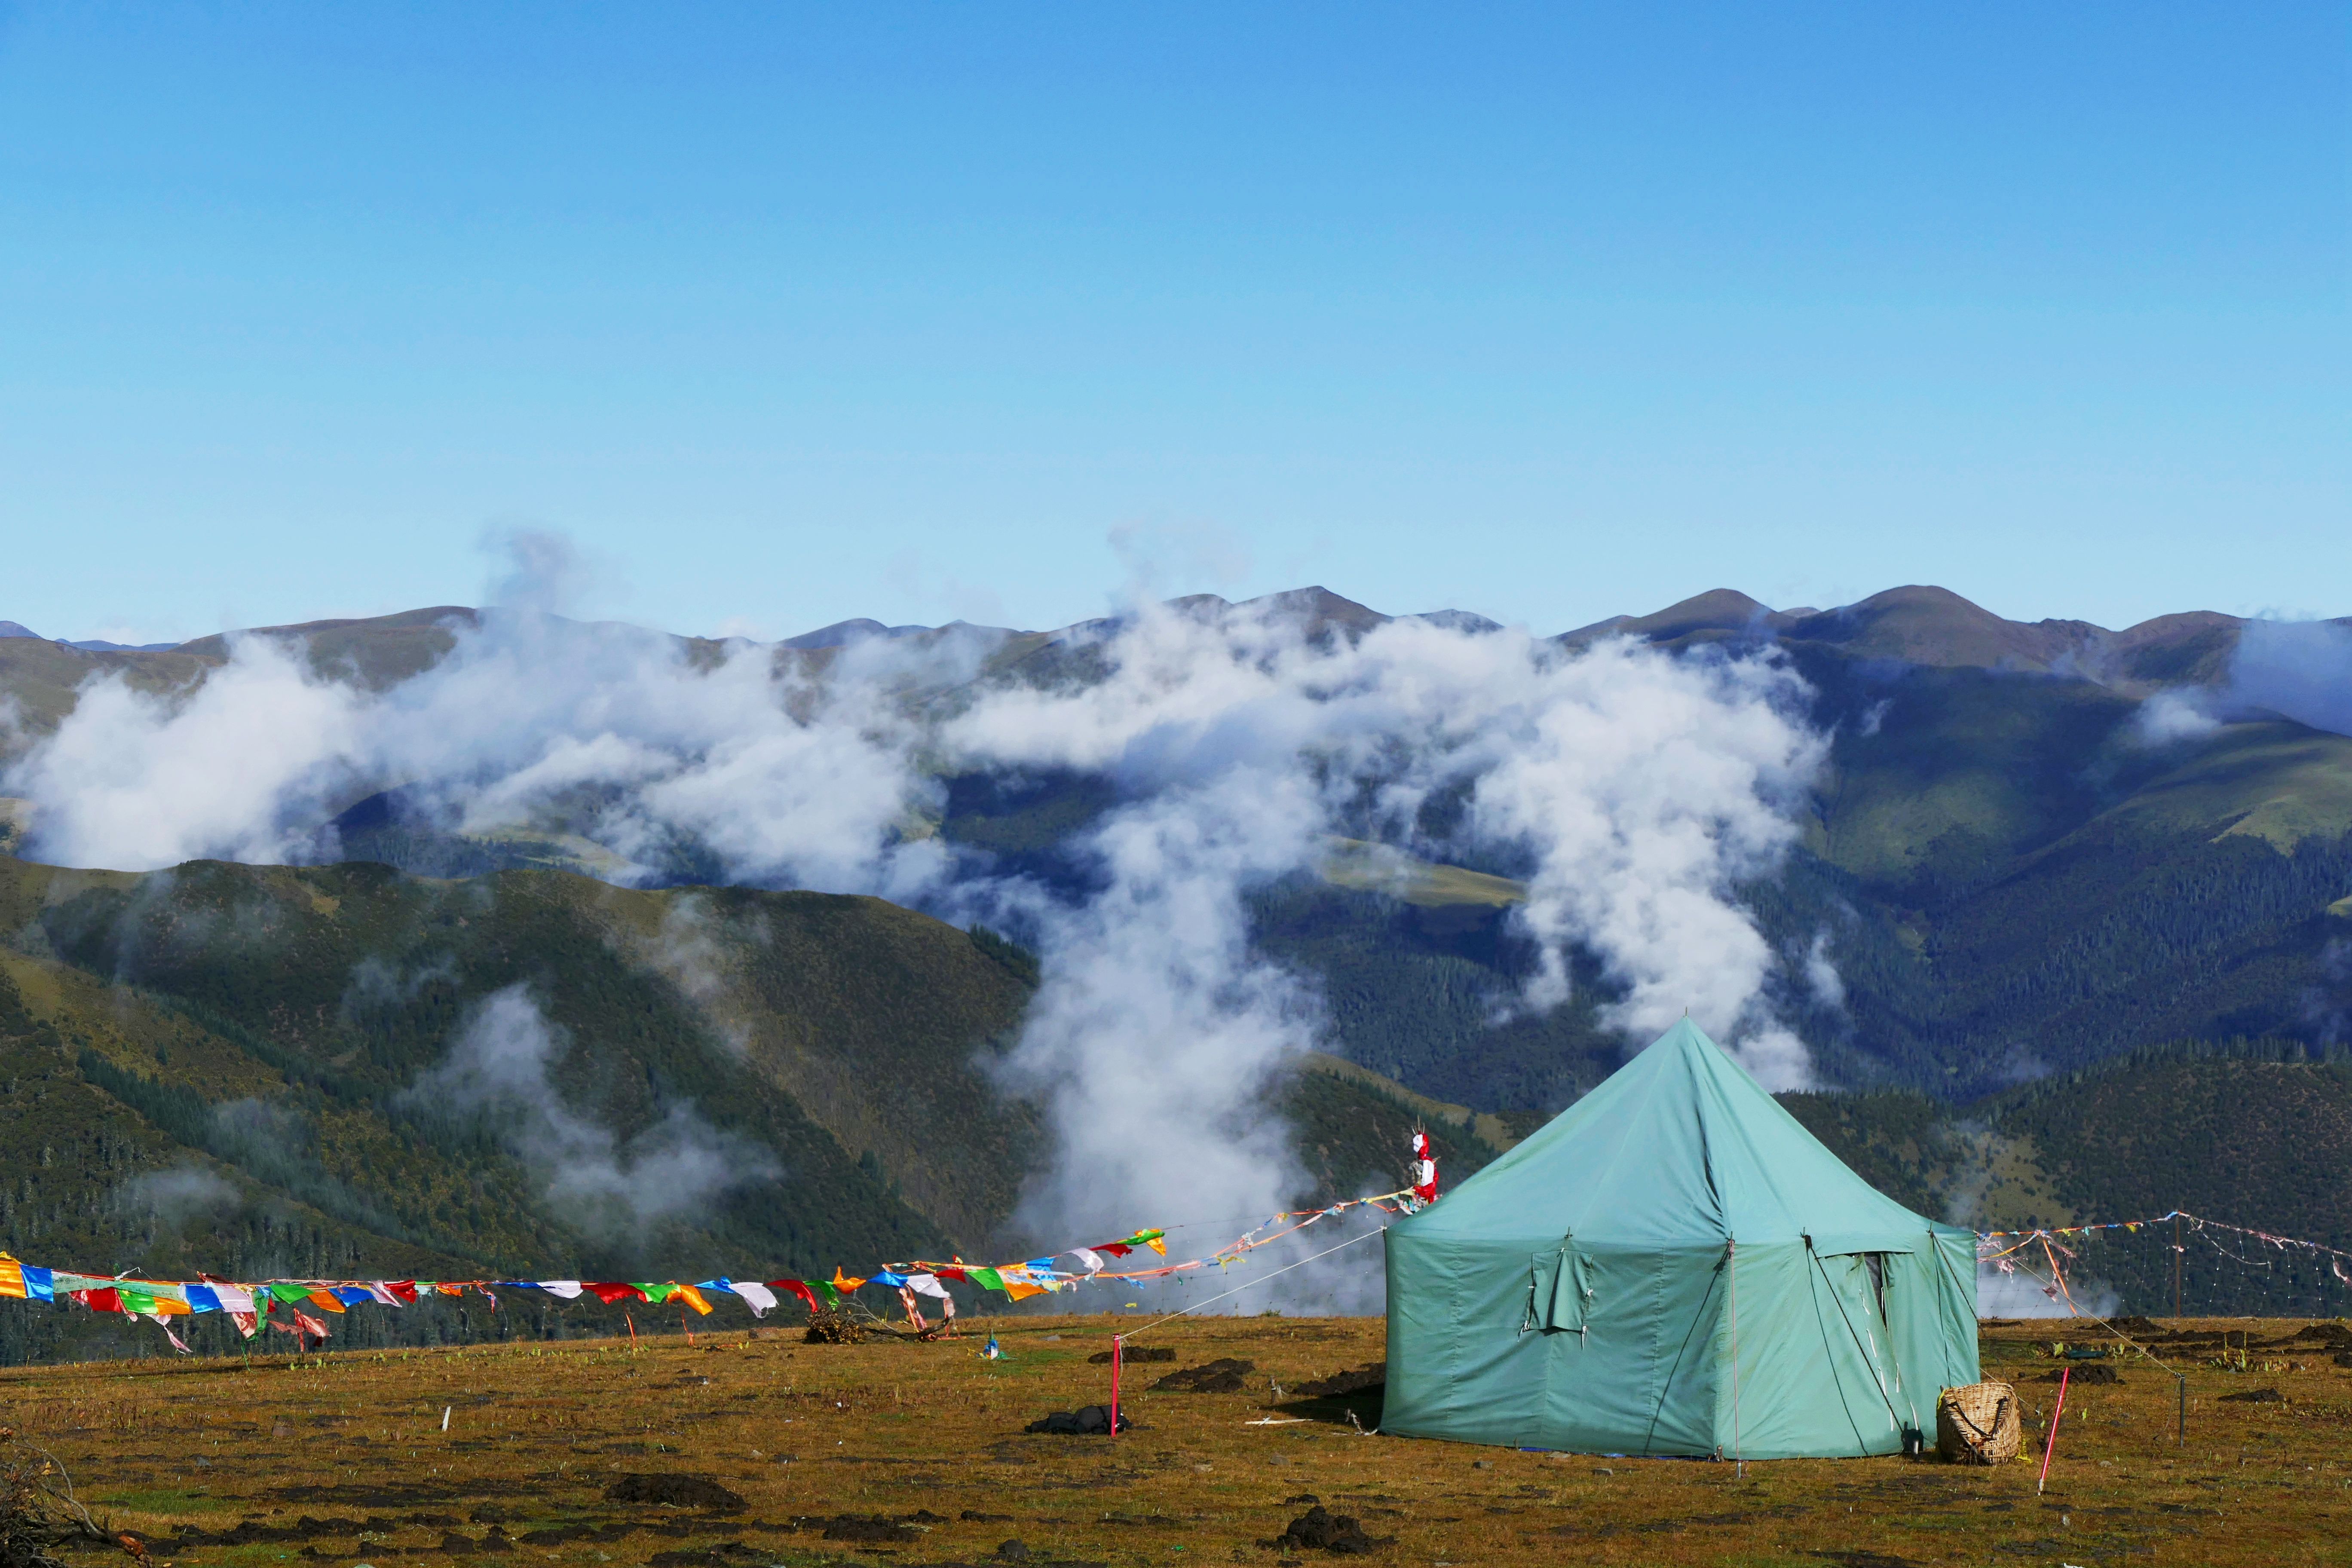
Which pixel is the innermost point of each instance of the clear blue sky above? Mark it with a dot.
(790, 313)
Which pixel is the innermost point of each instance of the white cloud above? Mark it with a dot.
(1635, 791)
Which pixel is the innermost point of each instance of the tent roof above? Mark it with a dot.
(1679, 1148)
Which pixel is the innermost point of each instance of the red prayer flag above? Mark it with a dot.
(406, 1290)
(800, 1290)
(608, 1293)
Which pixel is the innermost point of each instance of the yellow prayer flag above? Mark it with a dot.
(694, 1299)
(12, 1277)
(1158, 1246)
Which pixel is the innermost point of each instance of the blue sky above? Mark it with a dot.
(787, 314)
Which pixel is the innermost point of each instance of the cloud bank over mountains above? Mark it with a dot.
(1632, 789)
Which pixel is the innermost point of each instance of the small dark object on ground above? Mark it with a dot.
(1087, 1421)
(835, 1327)
(972, 1516)
(1222, 1375)
(1134, 1353)
(1013, 1551)
(2255, 1396)
(2084, 1374)
(2141, 1327)
(866, 1527)
(675, 1491)
(1308, 1498)
(1320, 1531)
(465, 1546)
(1340, 1383)
(2343, 1358)
(698, 1557)
(1865, 1560)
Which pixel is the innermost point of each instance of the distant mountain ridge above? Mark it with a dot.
(1916, 624)
(1999, 861)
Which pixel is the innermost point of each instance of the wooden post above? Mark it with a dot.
(2181, 1439)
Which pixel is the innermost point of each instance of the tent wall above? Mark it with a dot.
(1648, 1369)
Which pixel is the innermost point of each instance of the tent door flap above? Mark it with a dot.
(1560, 1297)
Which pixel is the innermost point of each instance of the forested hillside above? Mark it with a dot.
(247, 1071)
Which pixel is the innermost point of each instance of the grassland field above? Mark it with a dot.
(342, 1458)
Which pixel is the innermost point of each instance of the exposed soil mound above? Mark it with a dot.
(2094, 1373)
(2255, 1396)
(1133, 1354)
(1340, 1383)
(1319, 1529)
(1222, 1375)
(672, 1491)
(1087, 1421)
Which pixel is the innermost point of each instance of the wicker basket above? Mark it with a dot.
(1976, 1425)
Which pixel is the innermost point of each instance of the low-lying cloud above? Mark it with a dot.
(498, 1065)
(1631, 791)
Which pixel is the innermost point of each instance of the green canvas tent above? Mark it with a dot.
(1585, 1291)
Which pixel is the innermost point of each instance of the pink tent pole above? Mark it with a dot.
(2049, 1443)
(1116, 1341)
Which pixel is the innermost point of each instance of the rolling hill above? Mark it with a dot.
(248, 1069)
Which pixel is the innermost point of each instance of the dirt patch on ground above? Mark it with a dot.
(1319, 1530)
(673, 1492)
(1222, 1375)
(1363, 1379)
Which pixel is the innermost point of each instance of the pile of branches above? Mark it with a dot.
(38, 1510)
(831, 1326)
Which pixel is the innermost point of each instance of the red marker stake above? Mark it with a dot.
(1115, 1341)
(633, 1329)
(2049, 1444)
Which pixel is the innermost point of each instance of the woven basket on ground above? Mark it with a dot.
(1976, 1425)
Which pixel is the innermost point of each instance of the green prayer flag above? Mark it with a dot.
(988, 1278)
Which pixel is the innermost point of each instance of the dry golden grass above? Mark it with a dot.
(342, 1458)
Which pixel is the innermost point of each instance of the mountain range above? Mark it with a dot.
(2060, 873)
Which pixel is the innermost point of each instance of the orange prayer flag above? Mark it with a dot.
(1022, 1289)
(326, 1299)
(843, 1283)
(694, 1299)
